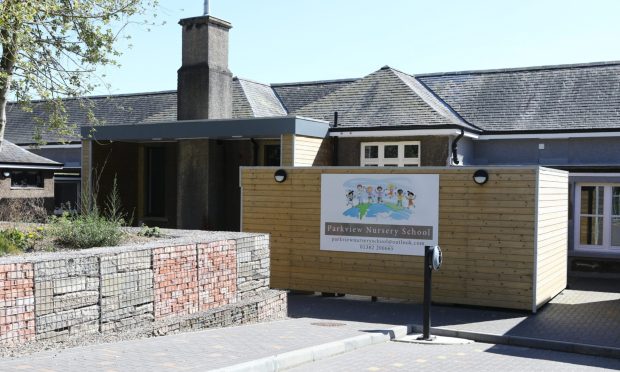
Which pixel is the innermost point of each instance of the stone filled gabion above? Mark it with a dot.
(195, 280)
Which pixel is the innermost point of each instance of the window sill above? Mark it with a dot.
(594, 253)
(27, 188)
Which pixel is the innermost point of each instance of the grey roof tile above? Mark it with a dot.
(260, 98)
(384, 98)
(550, 98)
(294, 96)
(13, 154)
(112, 110)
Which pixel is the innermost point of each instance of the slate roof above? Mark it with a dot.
(583, 97)
(536, 99)
(294, 96)
(112, 110)
(11, 154)
(253, 99)
(385, 98)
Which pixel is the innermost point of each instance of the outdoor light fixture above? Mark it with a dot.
(6, 174)
(280, 175)
(481, 177)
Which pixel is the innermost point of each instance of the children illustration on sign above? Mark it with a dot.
(350, 195)
(410, 199)
(376, 199)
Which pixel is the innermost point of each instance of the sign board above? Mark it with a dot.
(379, 213)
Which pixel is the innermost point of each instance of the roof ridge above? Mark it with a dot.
(104, 96)
(523, 69)
(314, 82)
(9, 146)
(251, 81)
(432, 100)
(252, 102)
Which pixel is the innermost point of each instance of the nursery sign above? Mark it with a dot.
(379, 213)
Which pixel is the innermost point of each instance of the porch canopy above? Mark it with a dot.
(185, 174)
(221, 129)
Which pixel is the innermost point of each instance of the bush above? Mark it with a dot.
(150, 232)
(86, 231)
(91, 228)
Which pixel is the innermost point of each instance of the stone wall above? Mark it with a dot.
(170, 285)
(66, 294)
(127, 290)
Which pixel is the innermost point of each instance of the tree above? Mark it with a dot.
(51, 49)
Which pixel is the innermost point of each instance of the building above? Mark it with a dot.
(177, 153)
(26, 178)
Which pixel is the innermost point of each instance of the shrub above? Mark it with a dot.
(150, 232)
(91, 228)
(85, 231)
(23, 240)
(7, 246)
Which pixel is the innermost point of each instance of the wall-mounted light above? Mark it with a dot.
(6, 174)
(280, 175)
(481, 177)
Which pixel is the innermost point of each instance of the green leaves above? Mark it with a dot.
(52, 48)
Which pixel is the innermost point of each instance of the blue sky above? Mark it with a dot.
(275, 41)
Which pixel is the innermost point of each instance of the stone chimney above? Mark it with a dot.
(204, 87)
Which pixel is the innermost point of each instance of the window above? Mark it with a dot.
(597, 211)
(271, 155)
(390, 154)
(66, 193)
(25, 179)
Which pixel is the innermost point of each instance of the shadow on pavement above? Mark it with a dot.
(581, 317)
(361, 309)
(577, 359)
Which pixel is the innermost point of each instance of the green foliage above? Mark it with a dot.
(7, 247)
(23, 241)
(91, 228)
(150, 232)
(51, 49)
(85, 231)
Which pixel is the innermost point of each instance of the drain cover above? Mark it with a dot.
(328, 324)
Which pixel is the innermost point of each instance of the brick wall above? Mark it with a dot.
(161, 288)
(217, 274)
(176, 282)
(16, 303)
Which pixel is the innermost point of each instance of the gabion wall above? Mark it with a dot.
(219, 282)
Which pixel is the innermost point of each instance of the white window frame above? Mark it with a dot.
(606, 247)
(399, 161)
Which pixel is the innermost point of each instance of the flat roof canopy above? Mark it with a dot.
(215, 129)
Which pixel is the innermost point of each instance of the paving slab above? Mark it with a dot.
(573, 317)
(198, 351)
(479, 357)
(320, 328)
